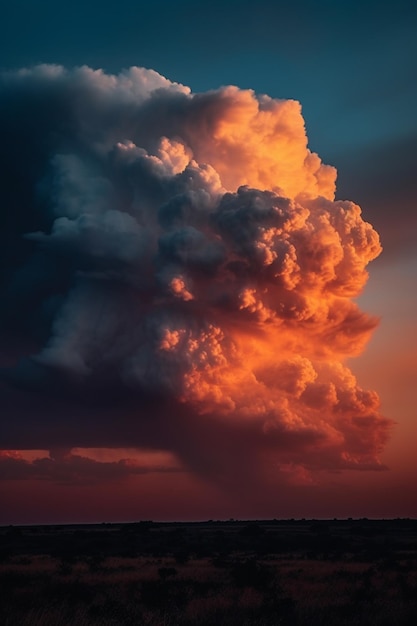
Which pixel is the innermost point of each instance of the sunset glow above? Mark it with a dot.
(208, 268)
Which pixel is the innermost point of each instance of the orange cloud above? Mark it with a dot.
(257, 141)
(191, 271)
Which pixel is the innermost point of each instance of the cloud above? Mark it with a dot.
(178, 275)
(67, 468)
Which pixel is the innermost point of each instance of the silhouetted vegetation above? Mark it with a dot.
(263, 573)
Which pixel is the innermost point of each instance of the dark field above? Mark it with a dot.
(361, 572)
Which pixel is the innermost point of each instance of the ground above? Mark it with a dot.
(263, 573)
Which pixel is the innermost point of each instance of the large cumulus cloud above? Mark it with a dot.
(178, 275)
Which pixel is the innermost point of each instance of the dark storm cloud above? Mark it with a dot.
(177, 275)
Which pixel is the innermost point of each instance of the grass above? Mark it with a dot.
(283, 574)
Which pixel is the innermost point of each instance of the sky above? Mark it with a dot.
(208, 260)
